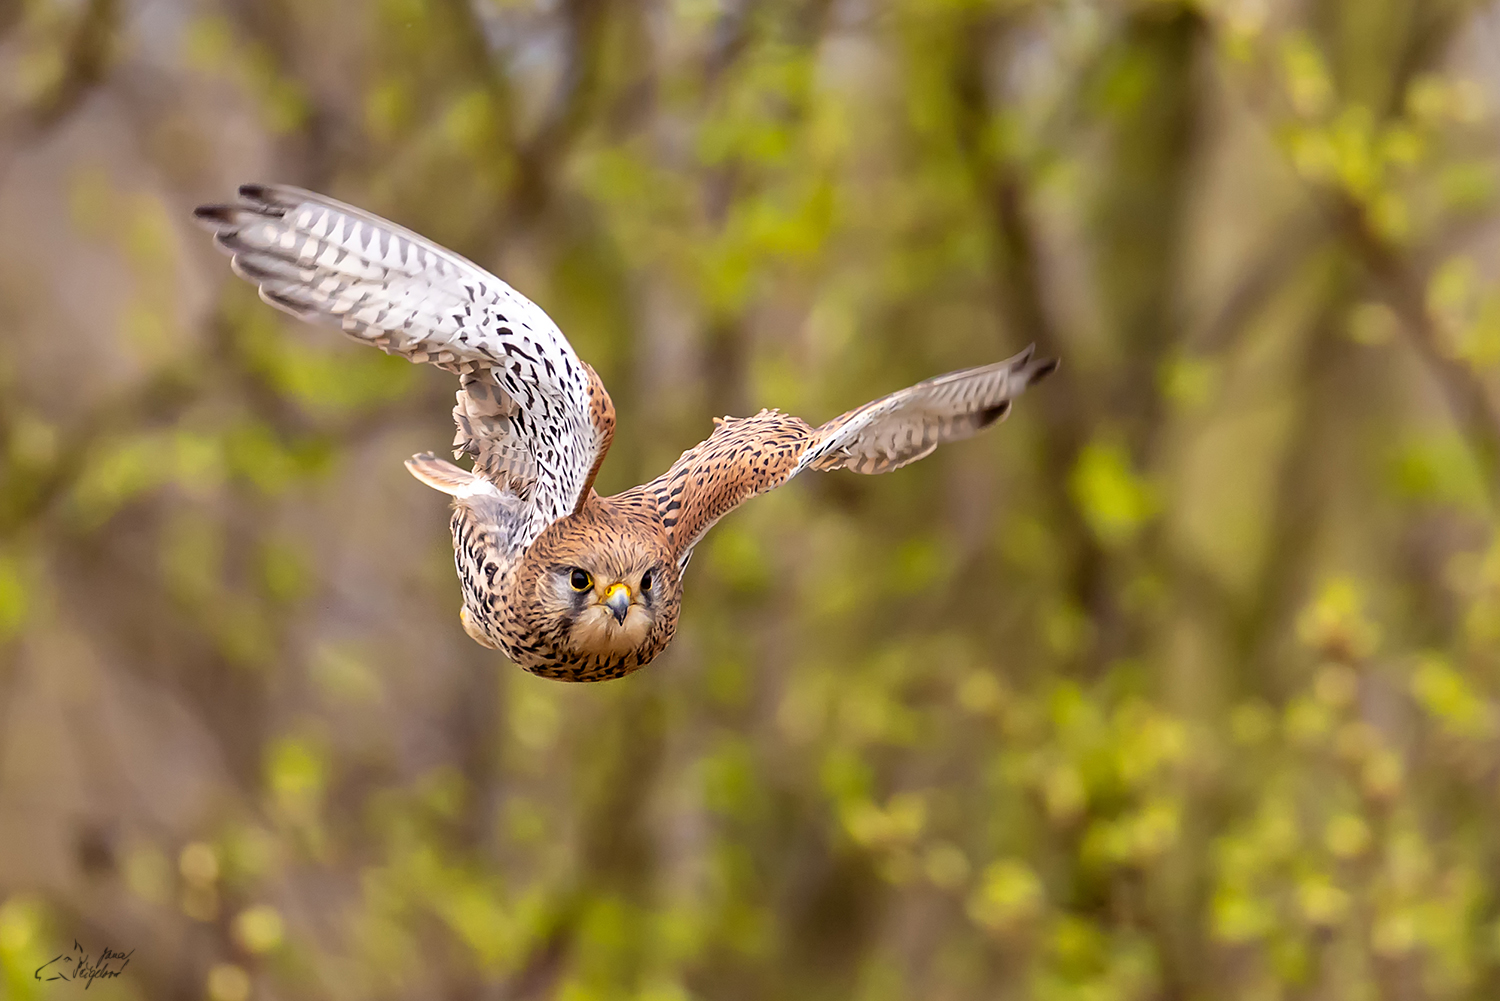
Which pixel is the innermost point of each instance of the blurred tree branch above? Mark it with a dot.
(87, 56)
(1402, 287)
(1020, 294)
(1170, 764)
(87, 59)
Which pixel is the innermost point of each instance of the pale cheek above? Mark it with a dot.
(595, 630)
(555, 602)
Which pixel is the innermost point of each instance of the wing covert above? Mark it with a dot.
(745, 456)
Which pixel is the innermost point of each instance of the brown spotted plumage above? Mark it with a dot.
(566, 583)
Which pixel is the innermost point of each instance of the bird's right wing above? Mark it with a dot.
(751, 455)
(536, 419)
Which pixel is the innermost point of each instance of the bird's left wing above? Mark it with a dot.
(536, 419)
(751, 455)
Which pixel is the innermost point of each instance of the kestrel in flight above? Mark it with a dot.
(568, 584)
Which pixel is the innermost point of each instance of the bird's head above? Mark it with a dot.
(608, 599)
(607, 607)
(608, 604)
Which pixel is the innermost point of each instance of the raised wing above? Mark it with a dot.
(751, 455)
(535, 418)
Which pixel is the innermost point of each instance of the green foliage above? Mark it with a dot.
(1182, 684)
(1110, 496)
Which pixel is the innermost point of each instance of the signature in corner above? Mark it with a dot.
(77, 966)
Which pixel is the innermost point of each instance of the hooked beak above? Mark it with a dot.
(617, 600)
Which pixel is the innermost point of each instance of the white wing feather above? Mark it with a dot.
(382, 284)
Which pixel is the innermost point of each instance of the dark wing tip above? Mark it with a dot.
(993, 414)
(1040, 371)
(214, 215)
(262, 194)
(272, 199)
(255, 199)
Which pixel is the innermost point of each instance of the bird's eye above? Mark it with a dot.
(580, 579)
(646, 581)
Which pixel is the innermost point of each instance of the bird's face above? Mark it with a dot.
(596, 596)
(607, 606)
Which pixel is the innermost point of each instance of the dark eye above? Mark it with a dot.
(580, 579)
(646, 580)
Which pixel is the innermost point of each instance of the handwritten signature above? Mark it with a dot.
(78, 966)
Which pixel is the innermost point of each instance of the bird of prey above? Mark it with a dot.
(569, 584)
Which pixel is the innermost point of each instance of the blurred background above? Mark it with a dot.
(1180, 685)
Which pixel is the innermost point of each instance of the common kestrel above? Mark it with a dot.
(568, 584)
